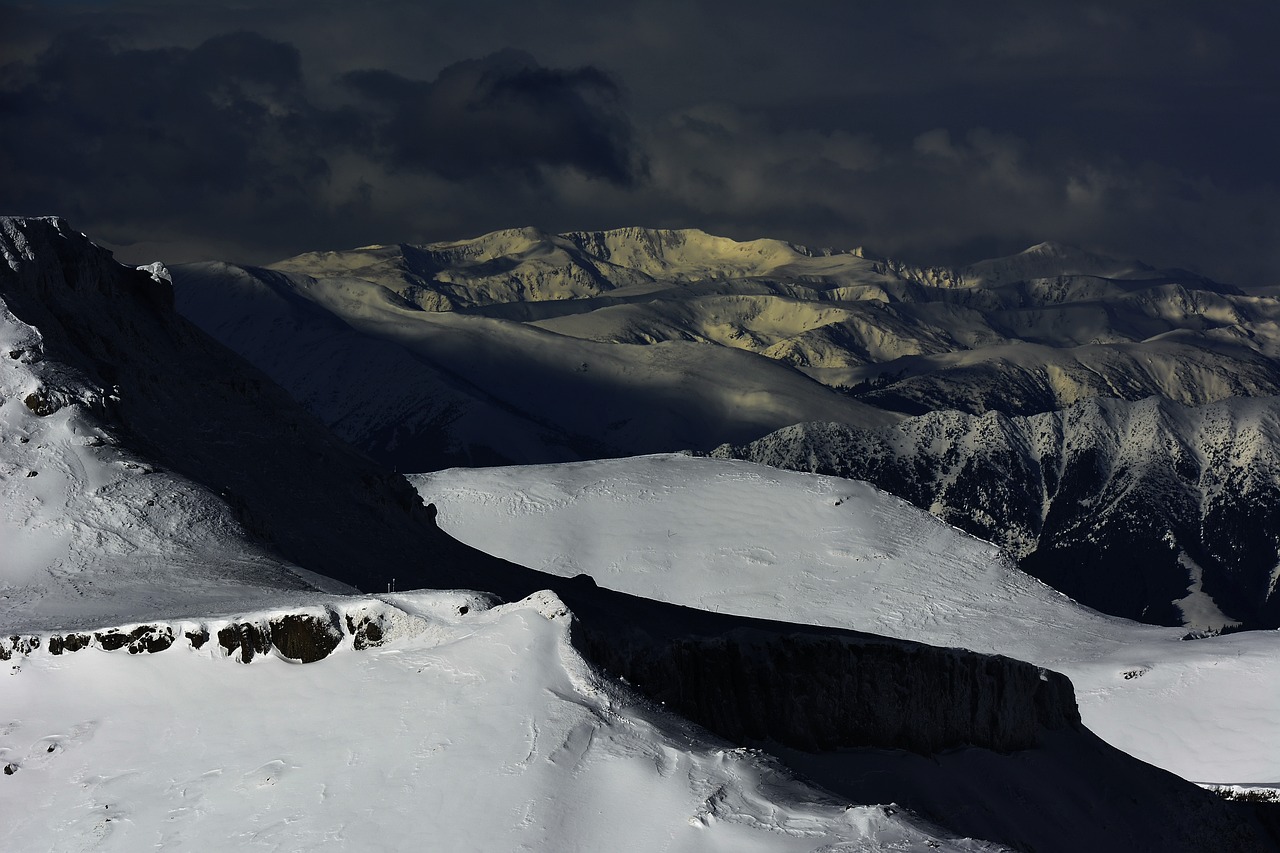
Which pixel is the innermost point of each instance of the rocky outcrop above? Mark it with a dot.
(303, 635)
(819, 692)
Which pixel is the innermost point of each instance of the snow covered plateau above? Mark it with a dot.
(207, 644)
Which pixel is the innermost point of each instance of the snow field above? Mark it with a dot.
(757, 541)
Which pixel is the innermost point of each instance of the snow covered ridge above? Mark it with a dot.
(482, 728)
(845, 690)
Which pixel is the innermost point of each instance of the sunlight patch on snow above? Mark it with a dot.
(1199, 610)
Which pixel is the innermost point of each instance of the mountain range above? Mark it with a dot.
(171, 515)
(1007, 395)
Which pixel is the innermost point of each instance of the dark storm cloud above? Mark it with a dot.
(502, 113)
(223, 142)
(220, 136)
(938, 130)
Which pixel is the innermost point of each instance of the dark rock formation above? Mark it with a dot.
(70, 643)
(306, 637)
(18, 645)
(816, 692)
(366, 631)
(248, 638)
(144, 638)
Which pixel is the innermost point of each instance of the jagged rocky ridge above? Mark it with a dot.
(1150, 510)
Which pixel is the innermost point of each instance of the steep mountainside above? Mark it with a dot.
(1150, 510)
(143, 464)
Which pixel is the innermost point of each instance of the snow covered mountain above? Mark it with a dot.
(419, 388)
(1027, 333)
(654, 327)
(180, 508)
(480, 727)
(1150, 510)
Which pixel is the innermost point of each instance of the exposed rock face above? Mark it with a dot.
(818, 692)
(305, 636)
(1149, 510)
(144, 638)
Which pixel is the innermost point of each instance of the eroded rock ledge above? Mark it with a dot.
(303, 635)
(819, 691)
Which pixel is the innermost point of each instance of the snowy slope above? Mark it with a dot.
(751, 540)
(90, 527)
(396, 406)
(486, 380)
(133, 442)
(479, 731)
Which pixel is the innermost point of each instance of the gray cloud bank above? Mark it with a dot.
(940, 133)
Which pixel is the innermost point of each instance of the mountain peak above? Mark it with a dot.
(22, 236)
(1047, 260)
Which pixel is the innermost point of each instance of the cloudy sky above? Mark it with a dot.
(938, 131)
